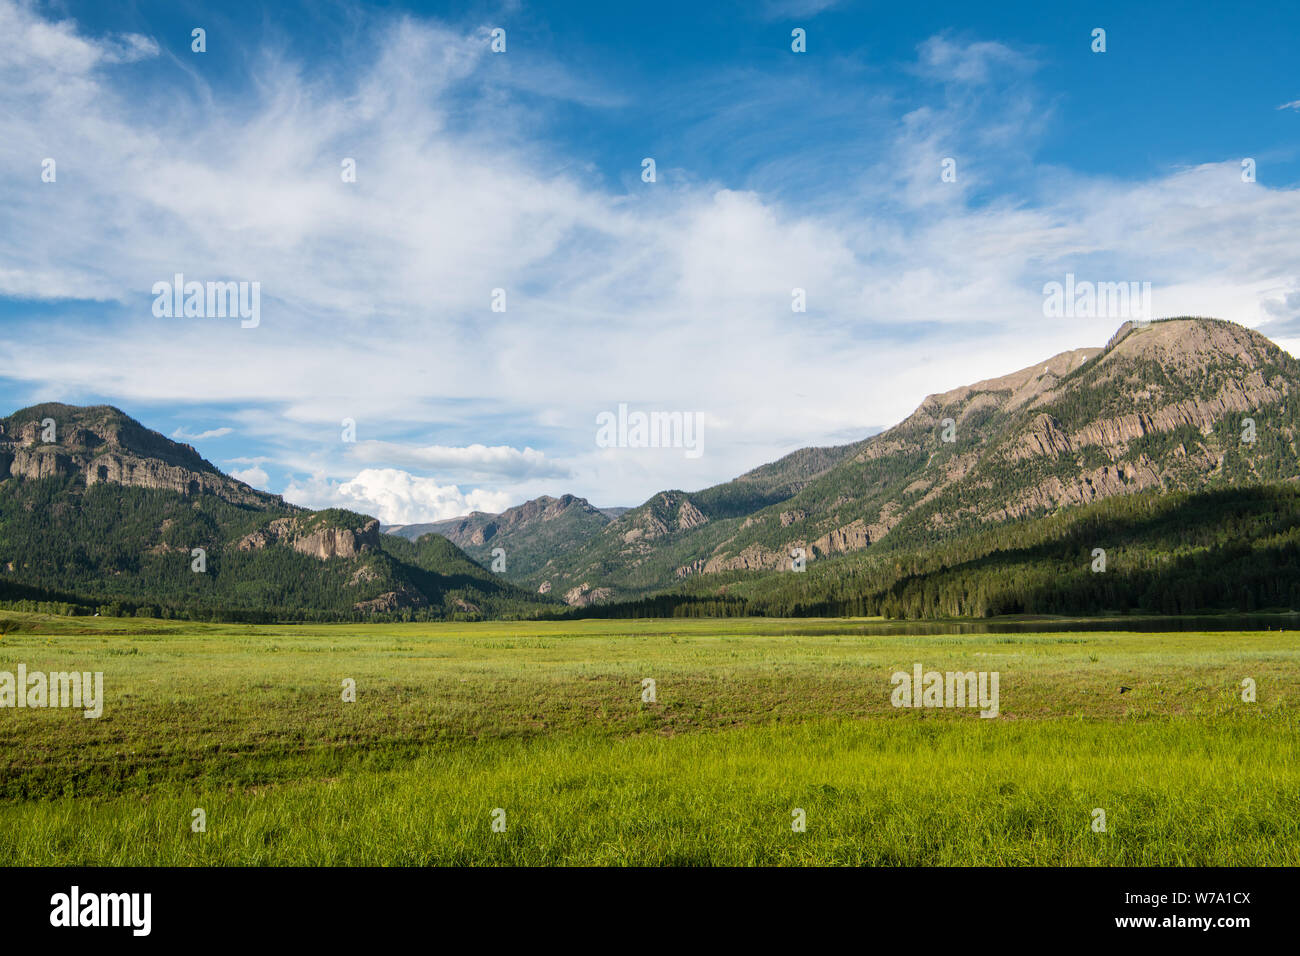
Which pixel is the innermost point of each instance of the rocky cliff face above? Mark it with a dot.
(101, 444)
(1160, 406)
(584, 595)
(392, 601)
(667, 512)
(306, 535)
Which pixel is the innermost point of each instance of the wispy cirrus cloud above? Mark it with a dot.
(790, 9)
(185, 435)
(674, 295)
(472, 462)
(977, 62)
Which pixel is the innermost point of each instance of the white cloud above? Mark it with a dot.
(254, 476)
(58, 51)
(671, 296)
(1293, 105)
(129, 48)
(791, 9)
(183, 434)
(395, 496)
(944, 59)
(473, 461)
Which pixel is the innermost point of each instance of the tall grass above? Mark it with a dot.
(546, 722)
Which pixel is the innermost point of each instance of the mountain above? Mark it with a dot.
(1151, 552)
(530, 534)
(101, 444)
(542, 537)
(979, 492)
(1161, 407)
(1158, 407)
(97, 510)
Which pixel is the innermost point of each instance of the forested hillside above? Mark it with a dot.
(1181, 405)
(113, 518)
(1234, 549)
(1173, 449)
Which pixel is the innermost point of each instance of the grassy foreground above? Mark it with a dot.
(545, 722)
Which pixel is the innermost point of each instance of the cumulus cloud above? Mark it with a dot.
(395, 496)
(255, 476)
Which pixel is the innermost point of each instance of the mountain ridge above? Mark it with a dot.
(98, 511)
(1163, 407)
(1026, 432)
(103, 443)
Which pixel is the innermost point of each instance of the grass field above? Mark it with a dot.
(545, 721)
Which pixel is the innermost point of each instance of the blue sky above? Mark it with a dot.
(522, 170)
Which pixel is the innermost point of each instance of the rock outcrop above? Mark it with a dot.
(584, 595)
(391, 601)
(102, 444)
(310, 536)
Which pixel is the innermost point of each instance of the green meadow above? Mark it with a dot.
(542, 728)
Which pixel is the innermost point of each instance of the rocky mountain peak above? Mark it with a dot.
(1190, 344)
(100, 443)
